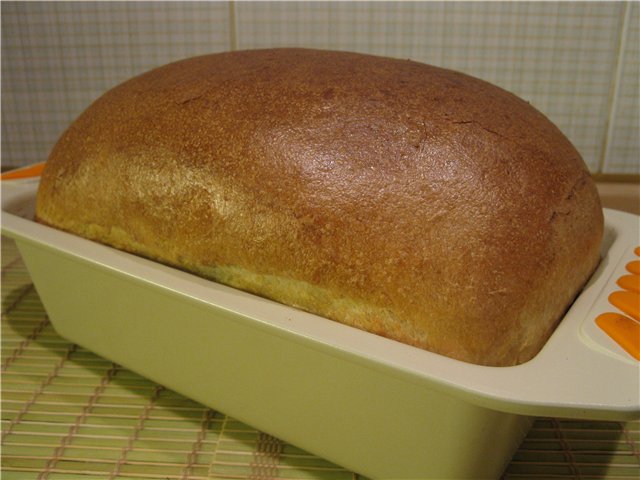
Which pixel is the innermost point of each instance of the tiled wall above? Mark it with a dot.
(576, 62)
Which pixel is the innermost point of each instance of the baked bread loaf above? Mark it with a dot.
(410, 201)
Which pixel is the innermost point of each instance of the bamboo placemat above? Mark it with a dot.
(69, 414)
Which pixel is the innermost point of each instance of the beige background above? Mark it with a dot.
(576, 62)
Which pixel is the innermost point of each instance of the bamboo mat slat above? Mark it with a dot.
(69, 414)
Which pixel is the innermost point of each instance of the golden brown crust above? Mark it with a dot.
(411, 201)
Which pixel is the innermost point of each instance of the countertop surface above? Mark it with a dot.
(620, 196)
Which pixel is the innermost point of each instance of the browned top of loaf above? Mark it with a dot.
(445, 201)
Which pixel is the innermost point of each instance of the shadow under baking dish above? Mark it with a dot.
(373, 405)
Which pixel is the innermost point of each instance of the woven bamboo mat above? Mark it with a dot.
(69, 414)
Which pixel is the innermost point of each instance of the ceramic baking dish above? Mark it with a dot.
(373, 405)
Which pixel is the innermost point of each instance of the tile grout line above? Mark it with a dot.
(233, 27)
(615, 86)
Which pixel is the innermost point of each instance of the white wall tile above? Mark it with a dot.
(559, 56)
(623, 142)
(563, 57)
(57, 57)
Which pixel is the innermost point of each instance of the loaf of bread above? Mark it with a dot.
(410, 201)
